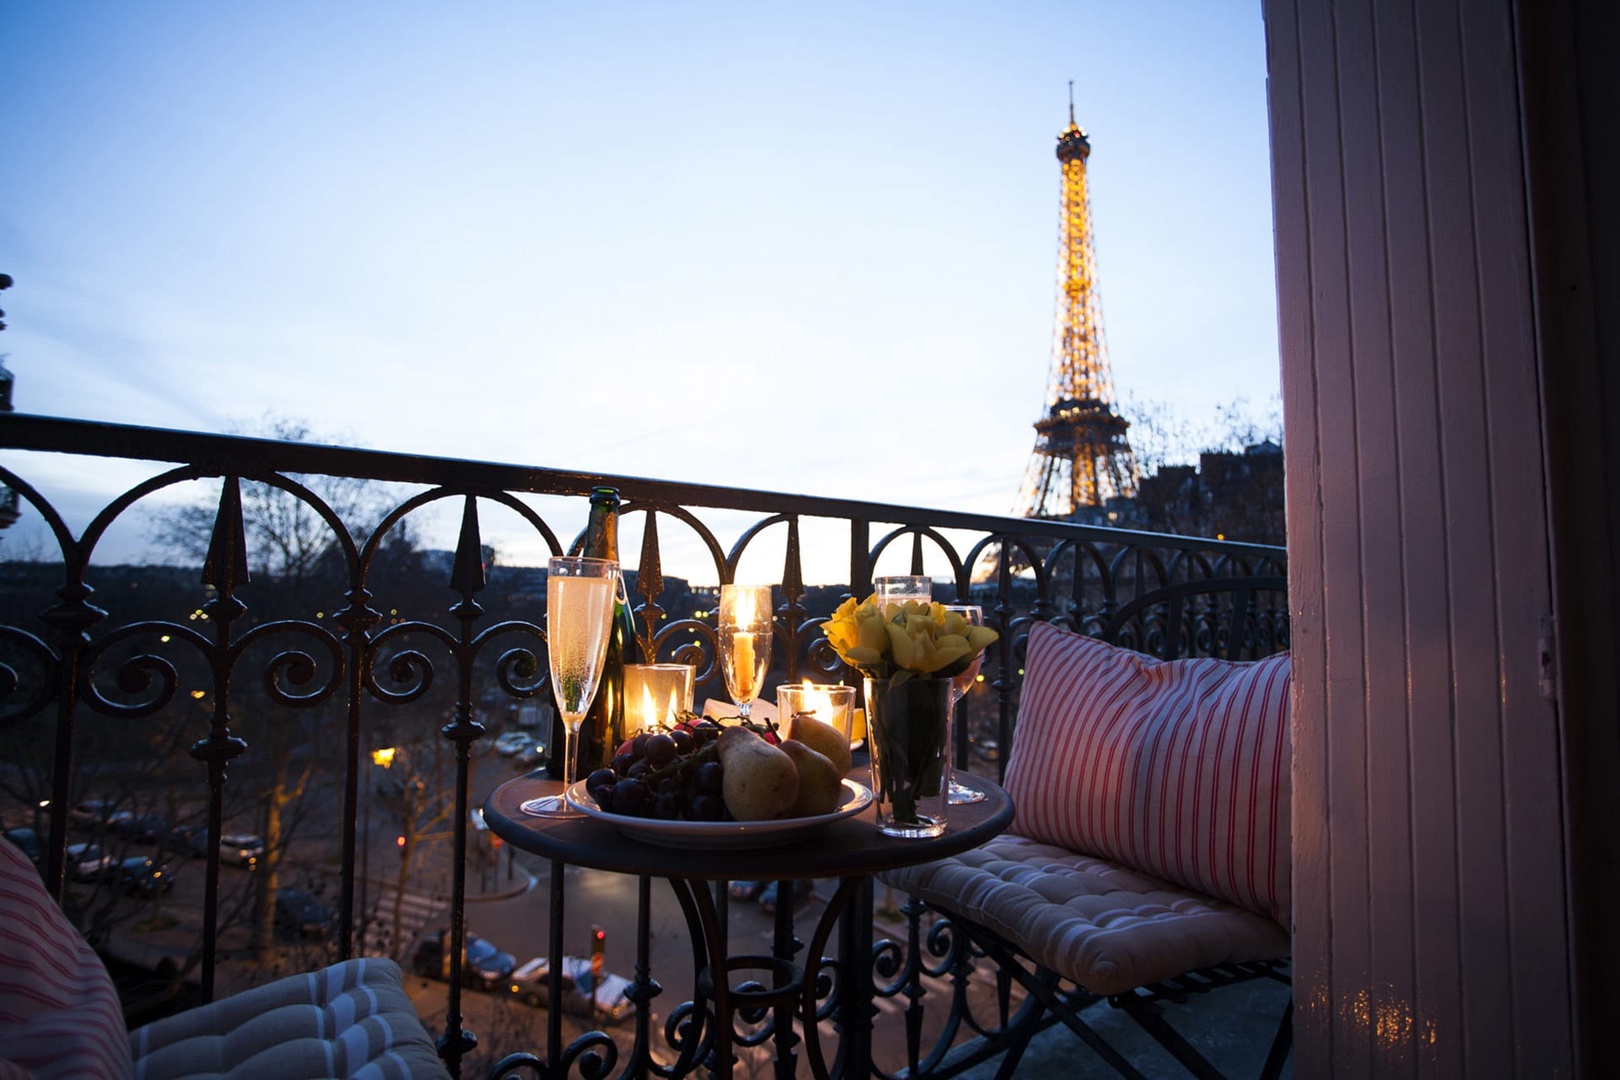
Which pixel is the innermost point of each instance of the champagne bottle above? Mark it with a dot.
(602, 730)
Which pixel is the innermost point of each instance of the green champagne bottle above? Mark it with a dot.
(602, 730)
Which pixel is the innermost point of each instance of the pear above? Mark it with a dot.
(824, 739)
(819, 782)
(758, 781)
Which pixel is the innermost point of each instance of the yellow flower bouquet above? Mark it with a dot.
(909, 654)
(900, 641)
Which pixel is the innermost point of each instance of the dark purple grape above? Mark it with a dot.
(710, 775)
(706, 807)
(631, 797)
(667, 806)
(683, 740)
(659, 750)
(621, 763)
(600, 785)
(638, 768)
(638, 745)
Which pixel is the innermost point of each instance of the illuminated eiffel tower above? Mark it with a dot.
(1082, 458)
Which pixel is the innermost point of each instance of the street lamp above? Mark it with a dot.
(383, 756)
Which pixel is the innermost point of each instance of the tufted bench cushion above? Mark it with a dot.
(352, 1019)
(1104, 926)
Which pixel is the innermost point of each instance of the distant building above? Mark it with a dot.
(1229, 495)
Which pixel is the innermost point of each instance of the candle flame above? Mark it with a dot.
(739, 605)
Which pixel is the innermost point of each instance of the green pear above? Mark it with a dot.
(824, 739)
(819, 782)
(758, 781)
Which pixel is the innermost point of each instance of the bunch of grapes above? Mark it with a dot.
(671, 775)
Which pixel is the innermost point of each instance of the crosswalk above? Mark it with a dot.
(417, 912)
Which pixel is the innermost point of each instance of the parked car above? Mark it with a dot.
(27, 840)
(97, 814)
(532, 714)
(530, 984)
(302, 917)
(484, 966)
(143, 828)
(240, 849)
(513, 742)
(192, 839)
(141, 875)
(87, 862)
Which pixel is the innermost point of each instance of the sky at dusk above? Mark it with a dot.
(807, 248)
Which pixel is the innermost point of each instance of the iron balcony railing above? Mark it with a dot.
(226, 661)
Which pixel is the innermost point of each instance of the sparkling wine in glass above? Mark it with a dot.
(745, 641)
(579, 617)
(960, 685)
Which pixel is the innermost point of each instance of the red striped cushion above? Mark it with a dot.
(1178, 768)
(59, 1013)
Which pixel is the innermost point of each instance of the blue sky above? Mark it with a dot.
(668, 240)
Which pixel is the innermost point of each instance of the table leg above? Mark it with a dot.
(645, 988)
(695, 1033)
(855, 957)
(784, 945)
(846, 1003)
(554, 983)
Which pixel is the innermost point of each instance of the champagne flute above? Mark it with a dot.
(960, 684)
(579, 618)
(745, 641)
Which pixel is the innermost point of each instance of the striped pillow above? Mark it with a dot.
(59, 1013)
(1177, 768)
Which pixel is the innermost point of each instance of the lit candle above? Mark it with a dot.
(817, 702)
(656, 694)
(830, 703)
(743, 642)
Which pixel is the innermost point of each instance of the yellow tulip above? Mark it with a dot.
(915, 636)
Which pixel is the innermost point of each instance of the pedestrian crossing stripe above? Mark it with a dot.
(417, 910)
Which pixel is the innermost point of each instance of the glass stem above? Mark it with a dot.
(570, 752)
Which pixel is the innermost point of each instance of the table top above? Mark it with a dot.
(839, 849)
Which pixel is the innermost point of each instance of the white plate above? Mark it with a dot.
(722, 834)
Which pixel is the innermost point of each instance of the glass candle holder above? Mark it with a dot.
(655, 695)
(899, 588)
(744, 629)
(831, 703)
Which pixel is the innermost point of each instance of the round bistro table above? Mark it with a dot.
(851, 850)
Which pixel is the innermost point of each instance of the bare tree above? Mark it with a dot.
(1221, 478)
(286, 538)
(290, 549)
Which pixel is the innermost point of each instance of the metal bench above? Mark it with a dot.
(1074, 927)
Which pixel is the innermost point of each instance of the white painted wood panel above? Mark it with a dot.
(1436, 994)
(1312, 943)
(1428, 841)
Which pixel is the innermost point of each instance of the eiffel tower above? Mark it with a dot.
(1082, 458)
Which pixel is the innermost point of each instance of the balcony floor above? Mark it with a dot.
(1232, 1027)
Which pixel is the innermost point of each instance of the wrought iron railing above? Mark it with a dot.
(332, 644)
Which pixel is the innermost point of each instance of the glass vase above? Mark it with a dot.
(908, 721)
